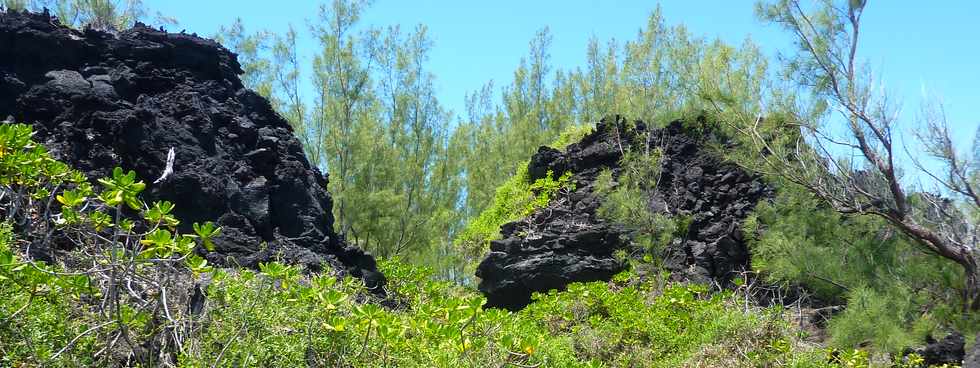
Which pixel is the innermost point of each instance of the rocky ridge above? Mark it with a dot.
(99, 100)
(567, 242)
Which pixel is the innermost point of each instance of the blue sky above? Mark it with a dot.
(916, 45)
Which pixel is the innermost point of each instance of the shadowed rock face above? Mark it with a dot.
(949, 350)
(566, 242)
(99, 100)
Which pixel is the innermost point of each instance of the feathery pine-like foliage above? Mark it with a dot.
(893, 292)
(407, 184)
(841, 144)
(626, 201)
(374, 124)
(70, 315)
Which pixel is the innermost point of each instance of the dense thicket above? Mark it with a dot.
(406, 183)
(130, 296)
(881, 263)
(661, 74)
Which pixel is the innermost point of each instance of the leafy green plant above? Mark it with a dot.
(122, 188)
(113, 295)
(515, 199)
(317, 320)
(207, 232)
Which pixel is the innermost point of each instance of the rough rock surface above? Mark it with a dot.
(972, 360)
(949, 350)
(100, 100)
(566, 242)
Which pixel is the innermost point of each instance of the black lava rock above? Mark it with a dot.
(100, 100)
(949, 350)
(566, 242)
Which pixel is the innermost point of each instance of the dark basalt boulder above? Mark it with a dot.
(567, 242)
(949, 350)
(99, 100)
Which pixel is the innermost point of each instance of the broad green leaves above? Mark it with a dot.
(160, 243)
(159, 213)
(207, 232)
(122, 188)
(57, 307)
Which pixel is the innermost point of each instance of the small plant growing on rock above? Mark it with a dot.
(626, 200)
(515, 199)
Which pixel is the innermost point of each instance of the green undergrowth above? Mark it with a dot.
(40, 315)
(515, 199)
(279, 317)
(258, 319)
(127, 299)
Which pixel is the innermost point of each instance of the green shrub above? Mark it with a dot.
(572, 134)
(875, 316)
(894, 293)
(268, 319)
(517, 198)
(39, 313)
(681, 325)
(626, 201)
(109, 302)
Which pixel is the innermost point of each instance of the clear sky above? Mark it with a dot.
(917, 45)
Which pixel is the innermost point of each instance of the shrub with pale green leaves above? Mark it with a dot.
(515, 199)
(278, 317)
(107, 299)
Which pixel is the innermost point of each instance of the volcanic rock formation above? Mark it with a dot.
(949, 350)
(99, 100)
(567, 242)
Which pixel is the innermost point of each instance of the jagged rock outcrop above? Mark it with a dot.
(100, 100)
(567, 242)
